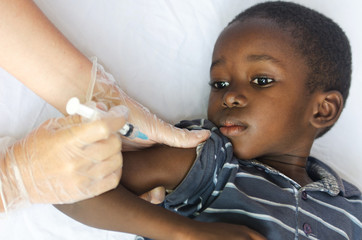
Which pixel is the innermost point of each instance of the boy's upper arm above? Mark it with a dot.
(157, 166)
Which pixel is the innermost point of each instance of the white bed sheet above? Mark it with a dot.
(165, 47)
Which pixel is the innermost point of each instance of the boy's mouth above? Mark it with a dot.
(231, 128)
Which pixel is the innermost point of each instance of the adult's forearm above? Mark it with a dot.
(2, 167)
(38, 55)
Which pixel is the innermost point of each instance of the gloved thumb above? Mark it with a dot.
(179, 137)
(116, 117)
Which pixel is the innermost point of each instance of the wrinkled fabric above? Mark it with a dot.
(222, 188)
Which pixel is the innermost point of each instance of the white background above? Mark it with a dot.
(160, 51)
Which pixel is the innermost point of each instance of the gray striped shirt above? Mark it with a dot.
(222, 188)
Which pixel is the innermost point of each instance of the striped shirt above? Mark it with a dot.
(221, 188)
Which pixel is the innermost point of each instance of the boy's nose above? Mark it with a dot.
(234, 99)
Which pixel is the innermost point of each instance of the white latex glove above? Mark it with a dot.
(63, 161)
(104, 90)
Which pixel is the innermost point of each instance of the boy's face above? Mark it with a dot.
(258, 97)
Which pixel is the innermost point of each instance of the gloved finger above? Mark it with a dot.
(103, 149)
(85, 185)
(97, 130)
(102, 106)
(177, 137)
(106, 167)
(67, 121)
(116, 117)
(87, 132)
(107, 183)
(159, 131)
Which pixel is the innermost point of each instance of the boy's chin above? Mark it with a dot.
(243, 155)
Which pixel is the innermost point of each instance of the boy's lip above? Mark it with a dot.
(232, 127)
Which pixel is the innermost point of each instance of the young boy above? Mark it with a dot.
(280, 76)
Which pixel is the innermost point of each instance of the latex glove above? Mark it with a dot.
(63, 161)
(104, 90)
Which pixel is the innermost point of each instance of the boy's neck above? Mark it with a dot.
(292, 166)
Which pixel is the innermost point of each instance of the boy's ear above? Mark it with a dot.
(327, 109)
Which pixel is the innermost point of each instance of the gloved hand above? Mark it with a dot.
(63, 161)
(104, 90)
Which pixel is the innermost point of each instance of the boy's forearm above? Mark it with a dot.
(120, 210)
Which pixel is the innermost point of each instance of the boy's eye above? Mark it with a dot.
(219, 84)
(262, 81)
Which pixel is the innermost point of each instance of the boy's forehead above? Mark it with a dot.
(258, 41)
(254, 29)
(257, 36)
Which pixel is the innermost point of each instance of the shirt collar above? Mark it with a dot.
(325, 179)
(328, 180)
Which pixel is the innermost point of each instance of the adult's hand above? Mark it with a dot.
(63, 161)
(105, 90)
(48, 63)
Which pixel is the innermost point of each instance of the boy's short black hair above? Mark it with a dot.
(322, 43)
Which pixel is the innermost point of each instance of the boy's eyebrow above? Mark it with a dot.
(217, 62)
(263, 57)
(250, 58)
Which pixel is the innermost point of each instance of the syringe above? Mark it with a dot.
(75, 107)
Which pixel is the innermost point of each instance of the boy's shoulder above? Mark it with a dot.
(324, 177)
